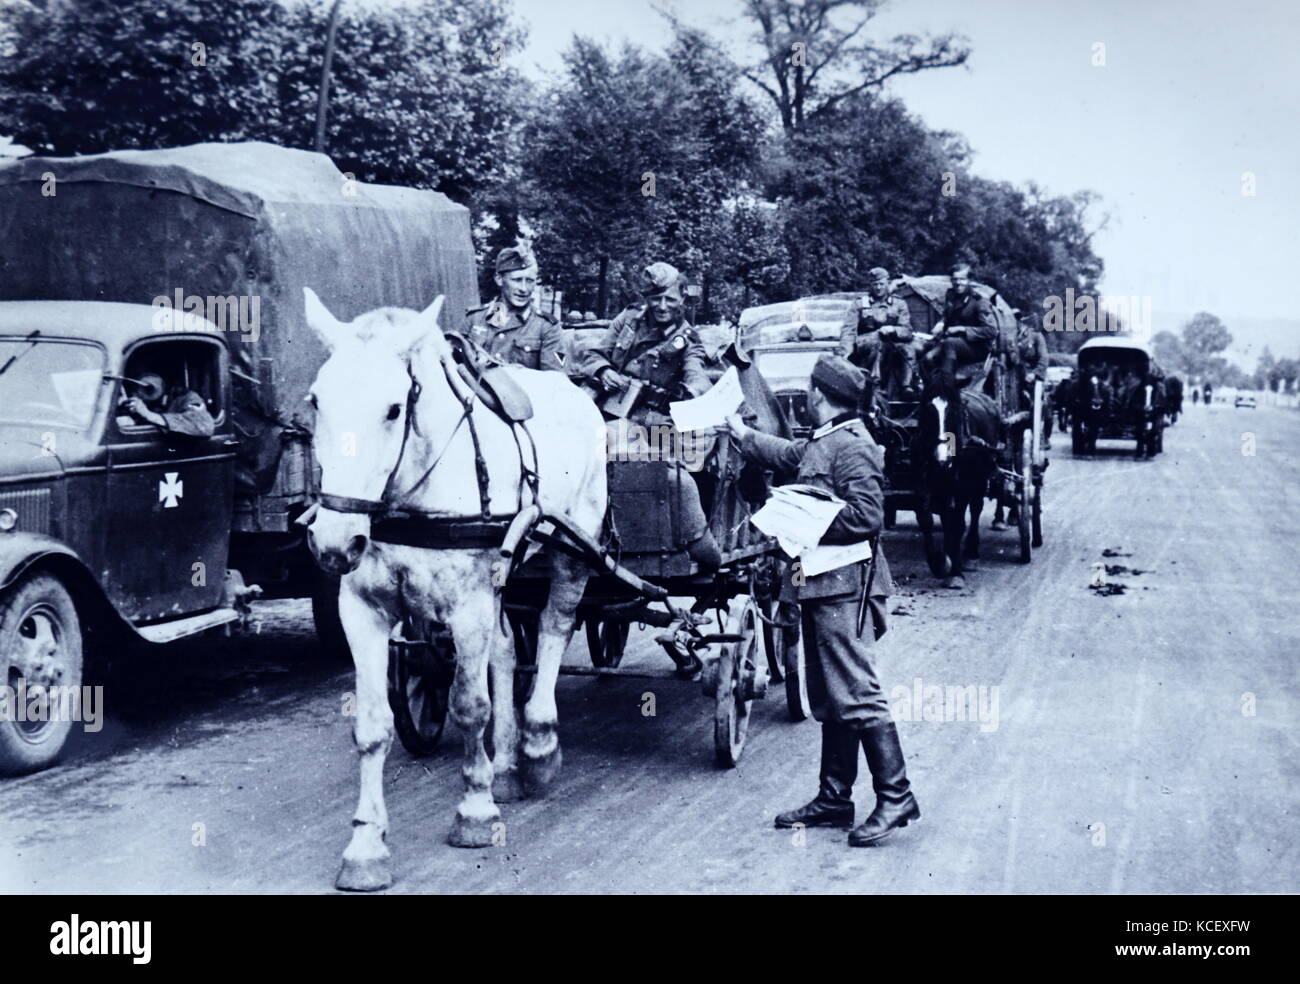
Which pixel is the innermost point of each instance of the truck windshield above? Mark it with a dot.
(49, 383)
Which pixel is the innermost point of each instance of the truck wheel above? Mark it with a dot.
(40, 645)
(325, 613)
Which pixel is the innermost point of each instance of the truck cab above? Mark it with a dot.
(104, 514)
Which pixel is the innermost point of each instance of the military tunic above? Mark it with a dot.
(529, 339)
(670, 360)
(867, 317)
(842, 458)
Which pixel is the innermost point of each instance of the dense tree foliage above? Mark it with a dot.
(797, 184)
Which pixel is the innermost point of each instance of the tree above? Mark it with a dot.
(1205, 335)
(420, 94)
(632, 157)
(816, 54)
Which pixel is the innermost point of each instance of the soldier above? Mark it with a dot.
(1031, 353)
(175, 409)
(508, 327)
(843, 688)
(652, 343)
(967, 335)
(877, 334)
(653, 348)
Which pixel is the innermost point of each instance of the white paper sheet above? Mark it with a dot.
(711, 409)
(798, 516)
(819, 560)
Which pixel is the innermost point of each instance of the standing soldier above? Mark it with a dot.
(843, 688)
(877, 335)
(508, 327)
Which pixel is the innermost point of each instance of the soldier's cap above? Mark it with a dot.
(658, 278)
(839, 379)
(514, 258)
(877, 273)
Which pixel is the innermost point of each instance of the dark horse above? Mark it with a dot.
(1091, 410)
(954, 465)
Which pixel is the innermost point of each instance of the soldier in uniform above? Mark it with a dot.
(877, 334)
(1031, 353)
(967, 335)
(174, 410)
(843, 687)
(653, 345)
(508, 327)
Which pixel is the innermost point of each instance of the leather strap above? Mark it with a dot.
(441, 532)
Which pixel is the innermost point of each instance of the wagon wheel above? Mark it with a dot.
(1037, 527)
(738, 669)
(607, 640)
(419, 689)
(1025, 482)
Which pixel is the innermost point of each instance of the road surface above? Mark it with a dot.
(1134, 741)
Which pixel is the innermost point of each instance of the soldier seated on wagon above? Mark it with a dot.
(966, 336)
(877, 335)
(508, 326)
(648, 357)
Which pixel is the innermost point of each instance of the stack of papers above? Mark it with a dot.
(798, 517)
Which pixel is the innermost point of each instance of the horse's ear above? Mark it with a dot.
(327, 327)
(424, 327)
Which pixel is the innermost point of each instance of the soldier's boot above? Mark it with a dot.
(895, 805)
(833, 804)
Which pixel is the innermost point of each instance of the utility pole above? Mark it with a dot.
(322, 103)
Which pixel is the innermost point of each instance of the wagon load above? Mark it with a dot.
(234, 232)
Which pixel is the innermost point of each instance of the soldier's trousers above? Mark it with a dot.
(843, 687)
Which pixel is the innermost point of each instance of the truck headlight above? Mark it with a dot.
(8, 520)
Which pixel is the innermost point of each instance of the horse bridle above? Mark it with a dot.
(374, 507)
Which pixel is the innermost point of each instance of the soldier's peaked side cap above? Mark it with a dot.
(515, 258)
(839, 378)
(659, 277)
(878, 273)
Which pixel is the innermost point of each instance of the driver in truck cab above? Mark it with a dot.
(175, 409)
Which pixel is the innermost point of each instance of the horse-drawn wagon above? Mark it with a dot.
(1119, 395)
(932, 466)
(724, 627)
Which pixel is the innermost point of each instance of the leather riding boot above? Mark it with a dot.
(895, 804)
(833, 804)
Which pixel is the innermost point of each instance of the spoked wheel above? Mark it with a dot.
(772, 635)
(1026, 491)
(738, 675)
(1037, 526)
(607, 641)
(419, 688)
(40, 647)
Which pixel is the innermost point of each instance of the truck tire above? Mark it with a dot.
(325, 613)
(40, 644)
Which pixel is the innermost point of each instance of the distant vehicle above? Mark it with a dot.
(1245, 400)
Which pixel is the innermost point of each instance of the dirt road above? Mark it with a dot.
(1138, 741)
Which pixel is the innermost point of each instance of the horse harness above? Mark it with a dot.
(415, 528)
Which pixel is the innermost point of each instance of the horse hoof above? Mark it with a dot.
(538, 773)
(369, 875)
(507, 787)
(998, 525)
(472, 832)
(954, 581)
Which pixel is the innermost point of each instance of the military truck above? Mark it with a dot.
(180, 271)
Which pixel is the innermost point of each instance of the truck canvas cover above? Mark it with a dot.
(243, 221)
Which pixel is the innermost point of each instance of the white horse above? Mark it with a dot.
(382, 367)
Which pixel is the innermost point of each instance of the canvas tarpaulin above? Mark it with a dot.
(234, 220)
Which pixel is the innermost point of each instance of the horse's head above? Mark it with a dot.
(364, 396)
(1095, 394)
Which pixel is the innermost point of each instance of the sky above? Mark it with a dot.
(1193, 95)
